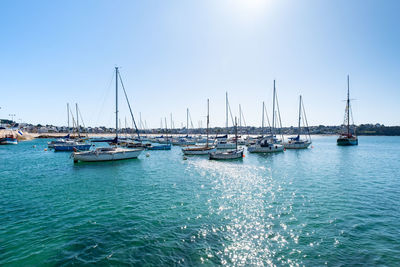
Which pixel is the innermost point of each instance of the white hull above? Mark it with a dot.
(9, 143)
(296, 145)
(204, 151)
(107, 155)
(233, 154)
(267, 149)
(226, 146)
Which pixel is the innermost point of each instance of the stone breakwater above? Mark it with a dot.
(14, 133)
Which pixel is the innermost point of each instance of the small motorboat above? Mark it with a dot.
(8, 140)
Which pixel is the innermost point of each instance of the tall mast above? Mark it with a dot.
(187, 121)
(348, 106)
(68, 115)
(262, 122)
(77, 119)
(166, 128)
(116, 102)
(171, 123)
(240, 116)
(208, 117)
(299, 115)
(226, 104)
(236, 136)
(273, 111)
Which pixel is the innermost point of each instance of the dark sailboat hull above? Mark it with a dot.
(345, 141)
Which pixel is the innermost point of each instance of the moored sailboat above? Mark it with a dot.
(268, 144)
(297, 142)
(114, 152)
(347, 138)
(229, 154)
(201, 150)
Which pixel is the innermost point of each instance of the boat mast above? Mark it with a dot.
(262, 122)
(208, 118)
(166, 128)
(236, 136)
(348, 106)
(299, 115)
(68, 115)
(226, 107)
(240, 116)
(273, 112)
(187, 122)
(116, 103)
(171, 124)
(77, 120)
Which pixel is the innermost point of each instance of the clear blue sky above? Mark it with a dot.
(176, 54)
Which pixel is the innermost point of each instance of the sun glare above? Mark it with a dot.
(249, 9)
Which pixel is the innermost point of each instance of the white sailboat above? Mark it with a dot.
(201, 150)
(270, 143)
(109, 153)
(229, 154)
(297, 142)
(224, 143)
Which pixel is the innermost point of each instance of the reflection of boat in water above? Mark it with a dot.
(110, 153)
(297, 142)
(347, 138)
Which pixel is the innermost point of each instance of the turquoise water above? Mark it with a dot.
(327, 205)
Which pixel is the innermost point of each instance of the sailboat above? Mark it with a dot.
(71, 145)
(347, 138)
(229, 154)
(114, 152)
(222, 141)
(270, 143)
(201, 150)
(63, 139)
(297, 142)
(162, 146)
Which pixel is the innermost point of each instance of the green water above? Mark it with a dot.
(329, 205)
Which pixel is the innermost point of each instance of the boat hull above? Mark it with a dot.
(267, 149)
(297, 145)
(234, 154)
(160, 147)
(226, 146)
(347, 141)
(119, 154)
(83, 147)
(204, 151)
(8, 141)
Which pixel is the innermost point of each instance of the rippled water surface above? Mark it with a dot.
(327, 205)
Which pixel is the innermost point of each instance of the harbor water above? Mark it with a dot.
(326, 205)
